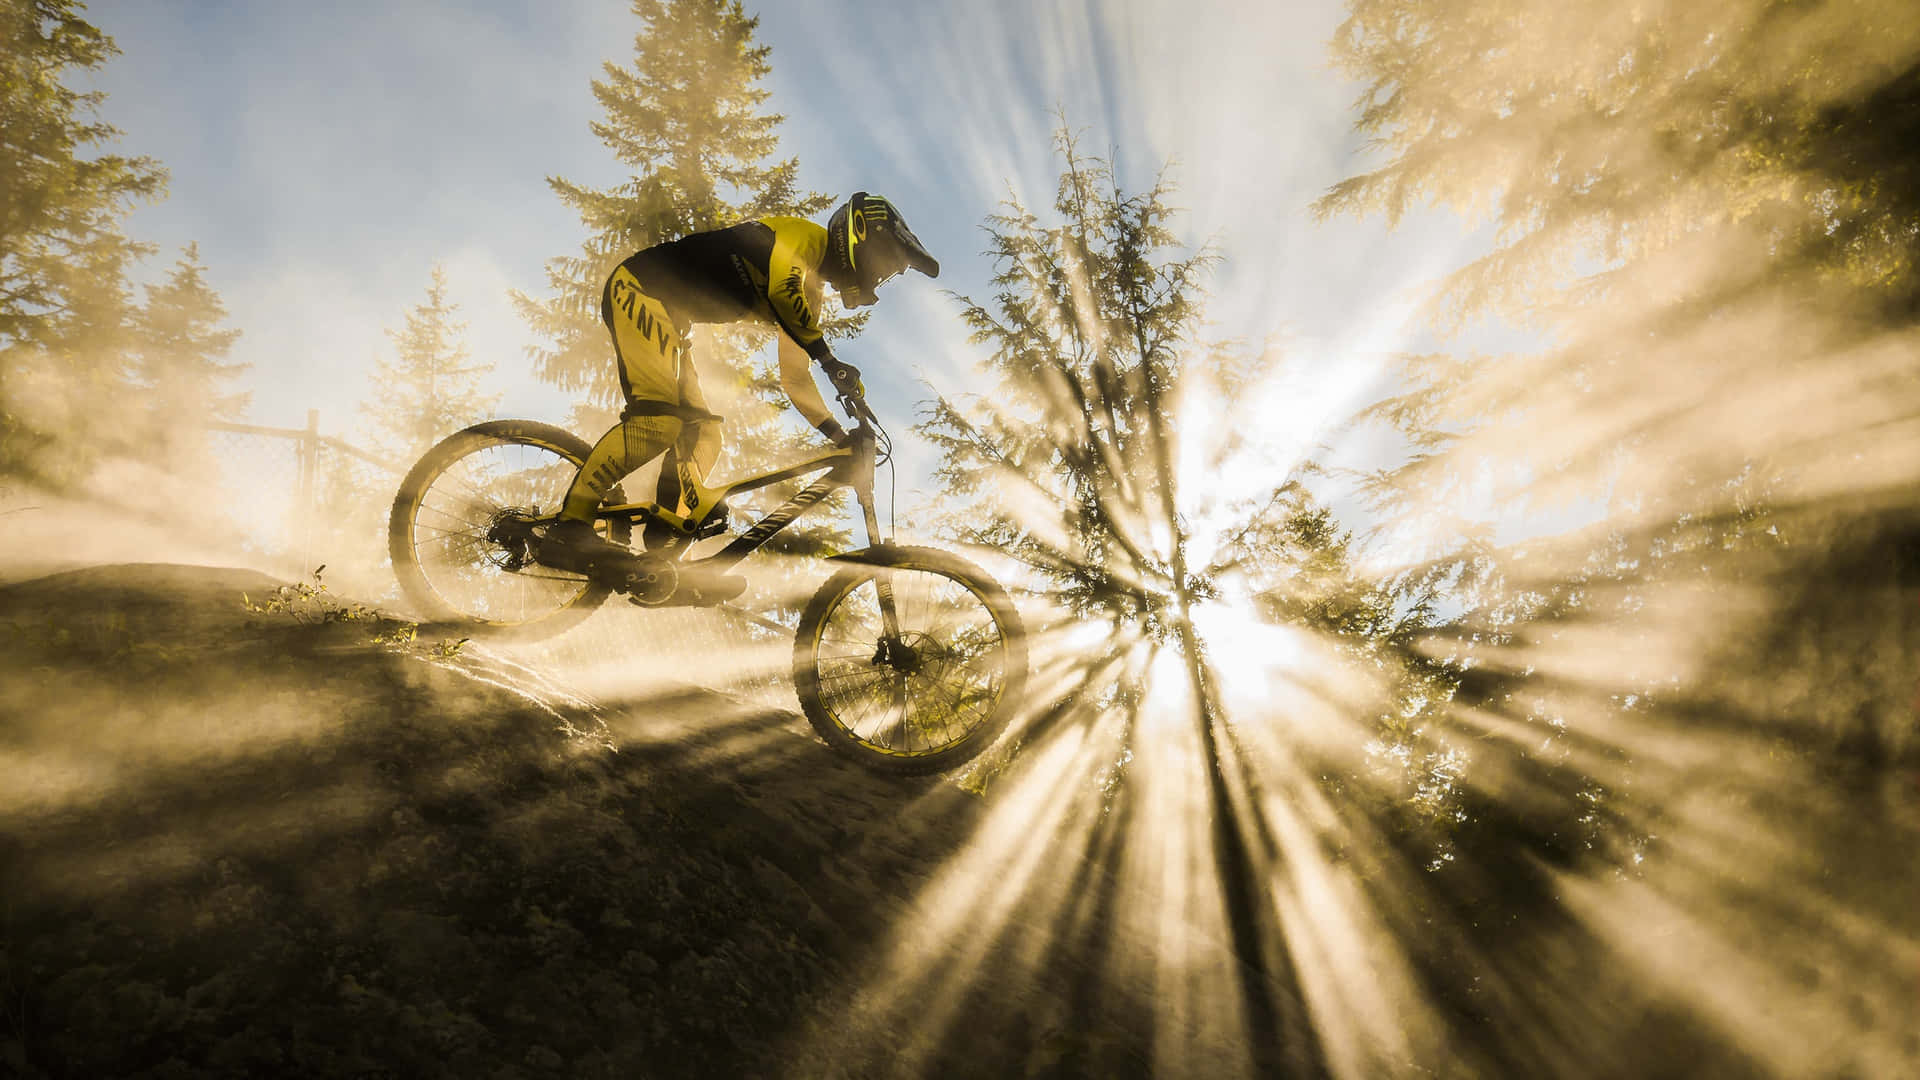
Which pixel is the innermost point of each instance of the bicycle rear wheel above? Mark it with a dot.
(929, 698)
(457, 535)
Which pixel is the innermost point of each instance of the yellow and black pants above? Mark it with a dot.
(665, 408)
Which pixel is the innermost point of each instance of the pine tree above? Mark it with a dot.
(65, 307)
(1068, 466)
(431, 387)
(1712, 210)
(1778, 134)
(686, 117)
(427, 389)
(1087, 330)
(179, 361)
(1698, 202)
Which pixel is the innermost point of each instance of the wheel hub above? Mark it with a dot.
(905, 653)
(510, 532)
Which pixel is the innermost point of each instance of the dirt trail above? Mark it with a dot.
(234, 844)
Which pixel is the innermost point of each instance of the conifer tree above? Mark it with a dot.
(65, 307)
(1067, 464)
(1695, 201)
(427, 389)
(431, 387)
(1711, 209)
(686, 116)
(1592, 131)
(1088, 329)
(179, 361)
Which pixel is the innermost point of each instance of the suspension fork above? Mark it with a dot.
(862, 481)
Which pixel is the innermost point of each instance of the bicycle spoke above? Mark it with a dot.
(476, 517)
(450, 539)
(454, 514)
(951, 636)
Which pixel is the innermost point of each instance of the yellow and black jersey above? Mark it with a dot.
(766, 269)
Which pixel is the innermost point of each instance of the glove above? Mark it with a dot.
(844, 376)
(831, 429)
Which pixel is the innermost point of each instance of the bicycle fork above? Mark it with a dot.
(890, 641)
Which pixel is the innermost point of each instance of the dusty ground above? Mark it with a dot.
(233, 843)
(237, 844)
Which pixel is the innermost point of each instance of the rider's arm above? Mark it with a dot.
(793, 288)
(794, 297)
(794, 294)
(796, 378)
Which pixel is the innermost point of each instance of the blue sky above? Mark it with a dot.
(326, 156)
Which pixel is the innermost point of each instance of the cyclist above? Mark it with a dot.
(770, 269)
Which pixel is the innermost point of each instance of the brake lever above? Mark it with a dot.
(855, 405)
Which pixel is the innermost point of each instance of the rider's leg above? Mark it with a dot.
(647, 351)
(699, 444)
(570, 543)
(633, 442)
(654, 372)
(691, 459)
(696, 450)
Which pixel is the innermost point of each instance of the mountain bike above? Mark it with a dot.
(909, 659)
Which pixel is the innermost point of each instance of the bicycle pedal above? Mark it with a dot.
(708, 590)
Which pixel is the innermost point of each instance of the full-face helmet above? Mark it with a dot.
(867, 243)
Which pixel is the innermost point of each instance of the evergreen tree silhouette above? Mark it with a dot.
(65, 306)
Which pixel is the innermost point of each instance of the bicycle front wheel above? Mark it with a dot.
(926, 692)
(458, 535)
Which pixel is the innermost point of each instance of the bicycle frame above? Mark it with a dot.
(849, 466)
(846, 466)
(931, 684)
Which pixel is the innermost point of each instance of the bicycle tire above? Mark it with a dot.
(825, 679)
(406, 534)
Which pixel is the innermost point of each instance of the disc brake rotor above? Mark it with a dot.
(510, 536)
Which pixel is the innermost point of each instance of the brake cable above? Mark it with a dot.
(893, 475)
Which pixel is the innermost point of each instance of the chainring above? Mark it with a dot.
(649, 580)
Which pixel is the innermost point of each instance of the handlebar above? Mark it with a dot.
(856, 406)
(846, 383)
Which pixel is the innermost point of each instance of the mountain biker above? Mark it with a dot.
(770, 269)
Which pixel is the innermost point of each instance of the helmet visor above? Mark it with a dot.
(913, 254)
